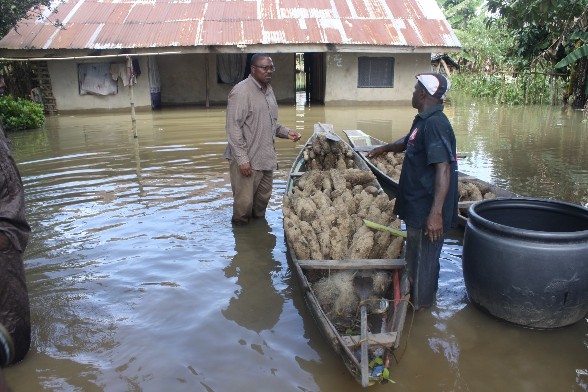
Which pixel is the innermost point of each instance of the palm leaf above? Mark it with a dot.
(571, 58)
(583, 35)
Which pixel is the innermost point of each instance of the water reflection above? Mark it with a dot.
(138, 281)
(256, 305)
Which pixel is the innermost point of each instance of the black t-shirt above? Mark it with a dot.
(431, 140)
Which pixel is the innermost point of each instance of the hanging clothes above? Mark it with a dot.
(120, 71)
(154, 82)
(231, 67)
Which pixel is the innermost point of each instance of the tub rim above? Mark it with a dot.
(542, 203)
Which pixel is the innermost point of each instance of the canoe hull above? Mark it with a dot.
(308, 271)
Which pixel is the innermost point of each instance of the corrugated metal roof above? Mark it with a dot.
(138, 24)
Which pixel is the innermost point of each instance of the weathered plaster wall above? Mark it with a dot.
(183, 82)
(183, 79)
(342, 72)
(284, 79)
(64, 81)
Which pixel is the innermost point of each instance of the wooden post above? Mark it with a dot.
(445, 67)
(544, 80)
(526, 87)
(554, 89)
(133, 119)
(206, 72)
(502, 98)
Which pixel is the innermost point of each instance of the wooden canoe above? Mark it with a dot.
(362, 143)
(386, 318)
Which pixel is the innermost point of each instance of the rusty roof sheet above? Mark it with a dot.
(135, 24)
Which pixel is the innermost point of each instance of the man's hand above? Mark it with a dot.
(246, 169)
(294, 136)
(376, 152)
(434, 226)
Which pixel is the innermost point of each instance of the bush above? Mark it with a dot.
(525, 88)
(17, 114)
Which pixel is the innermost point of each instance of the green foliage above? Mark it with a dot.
(519, 36)
(485, 46)
(17, 114)
(539, 25)
(460, 12)
(583, 35)
(553, 14)
(527, 43)
(577, 53)
(571, 58)
(385, 375)
(525, 88)
(12, 11)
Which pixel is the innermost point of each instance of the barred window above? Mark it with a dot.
(375, 72)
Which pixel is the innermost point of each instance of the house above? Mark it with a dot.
(192, 52)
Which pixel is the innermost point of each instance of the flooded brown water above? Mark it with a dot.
(138, 281)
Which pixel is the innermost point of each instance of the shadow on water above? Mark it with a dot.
(256, 305)
(138, 281)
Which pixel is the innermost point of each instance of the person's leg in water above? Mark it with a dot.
(422, 263)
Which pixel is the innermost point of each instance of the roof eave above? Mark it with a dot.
(61, 54)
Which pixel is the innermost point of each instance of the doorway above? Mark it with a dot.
(310, 76)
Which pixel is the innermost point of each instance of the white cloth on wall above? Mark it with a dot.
(95, 79)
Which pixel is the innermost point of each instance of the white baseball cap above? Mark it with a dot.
(436, 84)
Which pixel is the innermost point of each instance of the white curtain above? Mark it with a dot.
(96, 79)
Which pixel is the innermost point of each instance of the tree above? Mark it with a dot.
(484, 48)
(12, 11)
(460, 13)
(546, 31)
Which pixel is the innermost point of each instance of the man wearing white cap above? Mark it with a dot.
(427, 195)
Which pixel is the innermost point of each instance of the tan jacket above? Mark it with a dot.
(252, 125)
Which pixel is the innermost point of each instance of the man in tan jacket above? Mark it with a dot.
(252, 126)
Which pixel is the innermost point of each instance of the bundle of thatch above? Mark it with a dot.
(390, 163)
(324, 213)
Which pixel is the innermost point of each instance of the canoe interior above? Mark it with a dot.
(343, 333)
(362, 143)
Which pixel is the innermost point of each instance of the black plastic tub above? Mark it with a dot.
(526, 260)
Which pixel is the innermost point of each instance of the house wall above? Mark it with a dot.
(64, 82)
(183, 79)
(342, 72)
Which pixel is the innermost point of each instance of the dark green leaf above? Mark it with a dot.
(583, 35)
(573, 57)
